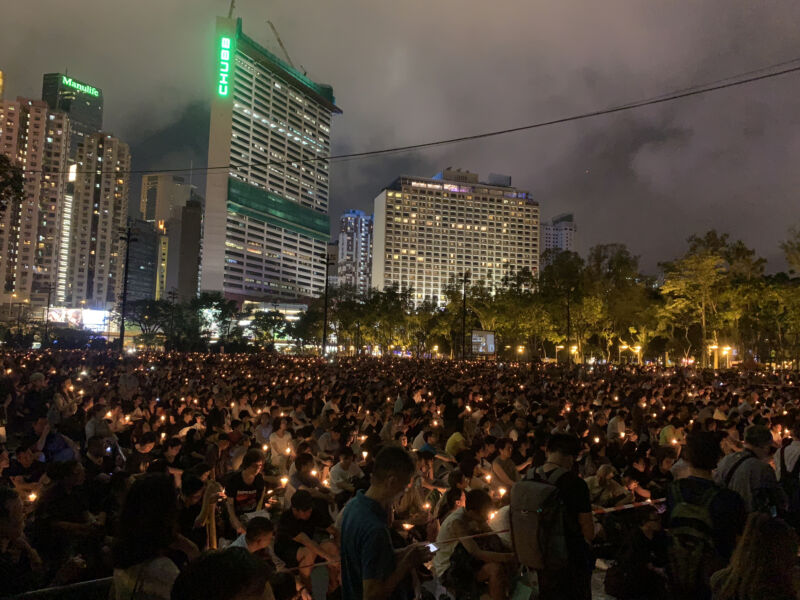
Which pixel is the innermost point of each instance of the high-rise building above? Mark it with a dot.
(265, 226)
(99, 217)
(559, 233)
(142, 260)
(81, 101)
(430, 232)
(183, 250)
(160, 193)
(355, 250)
(36, 139)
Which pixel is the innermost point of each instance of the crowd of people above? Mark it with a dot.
(263, 476)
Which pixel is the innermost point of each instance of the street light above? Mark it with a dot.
(520, 349)
(714, 348)
(619, 353)
(726, 352)
(558, 347)
(638, 350)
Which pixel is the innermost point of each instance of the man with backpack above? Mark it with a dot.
(748, 473)
(787, 465)
(551, 523)
(703, 520)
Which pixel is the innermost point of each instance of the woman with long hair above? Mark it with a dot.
(147, 529)
(762, 565)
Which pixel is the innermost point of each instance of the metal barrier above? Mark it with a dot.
(96, 589)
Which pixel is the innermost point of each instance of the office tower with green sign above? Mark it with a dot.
(82, 101)
(265, 222)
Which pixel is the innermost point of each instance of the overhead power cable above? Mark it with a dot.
(721, 84)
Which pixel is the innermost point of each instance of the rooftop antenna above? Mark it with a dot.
(280, 42)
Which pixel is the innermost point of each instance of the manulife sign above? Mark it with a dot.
(81, 87)
(224, 70)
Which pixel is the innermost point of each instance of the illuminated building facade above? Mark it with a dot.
(99, 217)
(81, 101)
(36, 139)
(429, 232)
(265, 223)
(559, 234)
(354, 262)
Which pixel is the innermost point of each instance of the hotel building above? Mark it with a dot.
(429, 231)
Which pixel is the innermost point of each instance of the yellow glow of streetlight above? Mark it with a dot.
(520, 349)
(712, 347)
(559, 347)
(573, 349)
(637, 349)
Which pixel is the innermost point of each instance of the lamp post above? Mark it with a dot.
(619, 352)
(128, 240)
(464, 317)
(325, 316)
(558, 347)
(714, 348)
(726, 352)
(638, 350)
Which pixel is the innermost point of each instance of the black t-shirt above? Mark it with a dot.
(727, 511)
(30, 474)
(138, 462)
(290, 527)
(245, 496)
(187, 515)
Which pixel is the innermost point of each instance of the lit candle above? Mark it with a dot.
(365, 454)
(284, 481)
(596, 440)
(622, 435)
(502, 491)
(32, 497)
(288, 451)
(492, 515)
(265, 447)
(427, 506)
(488, 477)
(407, 526)
(108, 415)
(313, 472)
(325, 482)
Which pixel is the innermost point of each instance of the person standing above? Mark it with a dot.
(573, 582)
(370, 569)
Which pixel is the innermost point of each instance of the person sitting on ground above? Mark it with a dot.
(230, 574)
(471, 520)
(295, 542)
(245, 490)
(763, 565)
(605, 491)
(25, 471)
(639, 571)
(345, 476)
(148, 534)
(258, 539)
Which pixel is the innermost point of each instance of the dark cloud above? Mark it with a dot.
(412, 71)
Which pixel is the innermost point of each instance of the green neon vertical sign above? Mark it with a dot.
(224, 70)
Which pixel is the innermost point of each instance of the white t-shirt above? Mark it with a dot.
(339, 475)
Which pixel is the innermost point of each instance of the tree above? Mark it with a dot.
(267, 325)
(791, 250)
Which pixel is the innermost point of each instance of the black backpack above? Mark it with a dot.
(691, 553)
(537, 516)
(790, 483)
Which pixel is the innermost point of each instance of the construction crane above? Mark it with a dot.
(280, 43)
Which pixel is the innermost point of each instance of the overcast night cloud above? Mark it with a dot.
(414, 71)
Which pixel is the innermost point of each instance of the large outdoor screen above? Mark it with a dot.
(482, 342)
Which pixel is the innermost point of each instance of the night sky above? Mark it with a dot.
(413, 71)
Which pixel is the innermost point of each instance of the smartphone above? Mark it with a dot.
(433, 548)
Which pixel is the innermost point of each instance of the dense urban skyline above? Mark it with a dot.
(647, 178)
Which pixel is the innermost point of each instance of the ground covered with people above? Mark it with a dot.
(178, 475)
